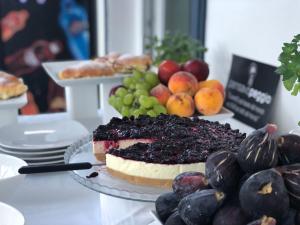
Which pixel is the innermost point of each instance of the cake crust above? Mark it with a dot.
(141, 180)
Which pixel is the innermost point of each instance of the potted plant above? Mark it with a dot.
(174, 46)
(290, 67)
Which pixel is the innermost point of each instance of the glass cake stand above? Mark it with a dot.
(105, 183)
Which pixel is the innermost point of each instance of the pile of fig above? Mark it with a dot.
(257, 185)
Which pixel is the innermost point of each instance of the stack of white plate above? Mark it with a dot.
(40, 143)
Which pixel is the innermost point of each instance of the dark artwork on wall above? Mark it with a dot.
(251, 90)
(35, 31)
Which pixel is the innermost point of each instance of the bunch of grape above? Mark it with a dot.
(133, 98)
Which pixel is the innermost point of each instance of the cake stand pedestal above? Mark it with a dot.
(9, 109)
(82, 101)
(82, 96)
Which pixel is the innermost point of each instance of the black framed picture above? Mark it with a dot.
(35, 31)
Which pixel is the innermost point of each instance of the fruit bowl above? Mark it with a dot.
(222, 115)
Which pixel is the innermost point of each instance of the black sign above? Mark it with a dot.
(250, 91)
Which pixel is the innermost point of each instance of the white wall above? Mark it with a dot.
(125, 26)
(255, 29)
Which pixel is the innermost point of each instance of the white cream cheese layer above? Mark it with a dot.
(150, 170)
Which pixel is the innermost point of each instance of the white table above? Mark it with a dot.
(56, 199)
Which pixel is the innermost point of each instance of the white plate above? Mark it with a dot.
(42, 152)
(38, 163)
(37, 158)
(222, 115)
(16, 102)
(53, 68)
(37, 136)
(10, 216)
(155, 217)
(10, 179)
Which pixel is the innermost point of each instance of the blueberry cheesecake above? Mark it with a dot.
(153, 151)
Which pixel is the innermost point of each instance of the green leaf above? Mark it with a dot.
(299, 123)
(296, 89)
(175, 46)
(289, 84)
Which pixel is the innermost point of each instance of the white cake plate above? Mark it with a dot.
(9, 109)
(82, 94)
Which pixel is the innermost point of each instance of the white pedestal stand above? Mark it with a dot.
(82, 94)
(9, 109)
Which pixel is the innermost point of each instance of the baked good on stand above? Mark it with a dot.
(126, 63)
(11, 86)
(107, 65)
(86, 69)
(153, 151)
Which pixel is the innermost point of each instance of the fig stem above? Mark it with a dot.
(219, 196)
(266, 189)
(271, 128)
(268, 221)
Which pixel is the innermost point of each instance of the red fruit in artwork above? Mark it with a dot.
(198, 68)
(166, 69)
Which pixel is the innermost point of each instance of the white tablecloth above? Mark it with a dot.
(56, 199)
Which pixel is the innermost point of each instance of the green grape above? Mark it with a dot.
(140, 87)
(152, 113)
(145, 102)
(159, 109)
(121, 92)
(131, 110)
(132, 86)
(127, 81)
(153, 100)
(112, 100)
(151, 78)
(137, 75)
(118, 104)
(138, 93)
(125, 111)
(136, 113)
(143, 111)
(128, 99)
(148, 86)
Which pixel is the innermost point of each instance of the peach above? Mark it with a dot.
(183, 82)
(209, 101)
(181, 104)
(162, 93)
(212, 84)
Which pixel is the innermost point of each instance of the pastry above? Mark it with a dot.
(86, 69)
(126, 63)
(109, 58)
(106, 66)
(153, 151)
(11, 86)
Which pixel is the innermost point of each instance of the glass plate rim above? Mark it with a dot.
(75, 148)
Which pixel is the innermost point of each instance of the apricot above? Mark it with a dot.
(209, 101)
(212, 84)
(181, 104)
(183, 82)
(162, 93)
